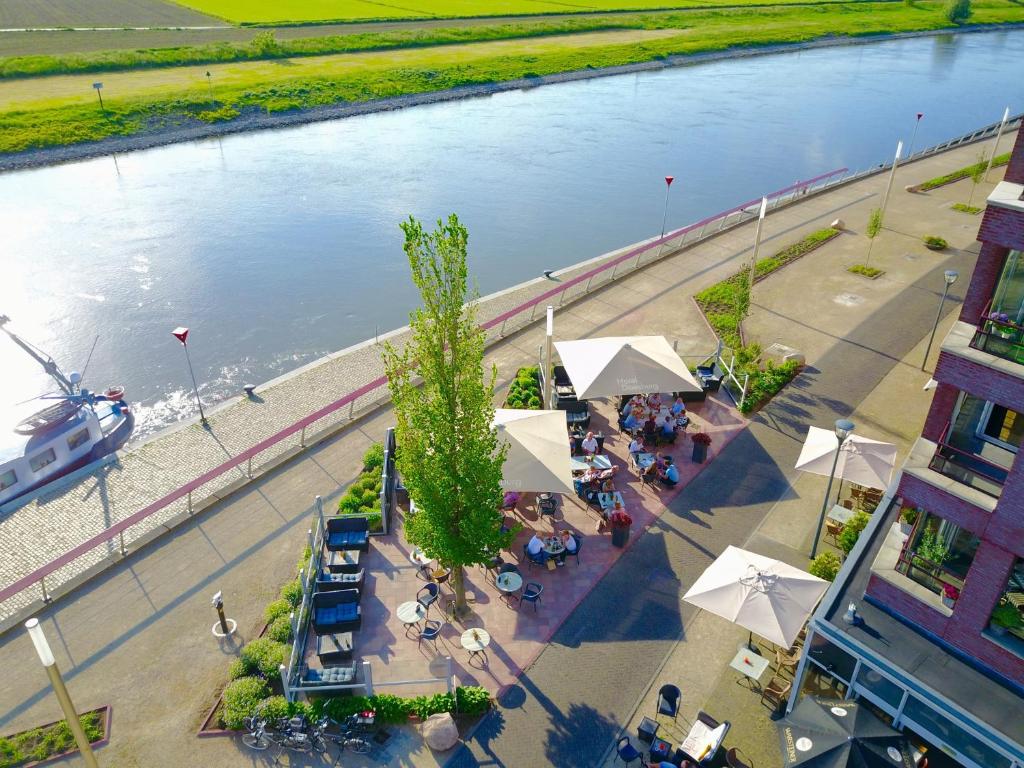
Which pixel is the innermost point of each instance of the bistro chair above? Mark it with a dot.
(785, 660)
(833, 529)
(579, 546)
(441, 576)
(541, 558)
(431, 631)
(776, 692)
(668, 700)
(491, 566)
(732, 759)
(547, 504)
(627, 752)
(428, 595)
(531, 594)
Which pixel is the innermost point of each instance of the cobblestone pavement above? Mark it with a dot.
(138, 636)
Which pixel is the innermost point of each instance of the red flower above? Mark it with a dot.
(620, 519)
(950, 592)
(702, 438)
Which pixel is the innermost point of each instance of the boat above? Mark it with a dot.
(78, 428)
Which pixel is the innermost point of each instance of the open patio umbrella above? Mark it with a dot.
(538, 450)
(760, 594)
(825, 733)
(861, 460)
(624, 365)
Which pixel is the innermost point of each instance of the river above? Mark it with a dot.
(277, 247)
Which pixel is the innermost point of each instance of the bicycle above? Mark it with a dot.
(294, 734)
(352, 733)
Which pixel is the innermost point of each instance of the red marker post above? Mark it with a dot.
(181, 334)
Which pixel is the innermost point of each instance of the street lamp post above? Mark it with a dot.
(910, 152)
(181, 334)
(757, 240)
(844, 428)
(995, 147)
(549, 383)
(892, 177)
(664, 215)
(950, 276)
(60, 690)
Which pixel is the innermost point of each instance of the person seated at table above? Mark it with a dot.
(668, 474)
(651, 426)
(631, 422)
(636, 446)
(569, 542)
(654, 401)
(668, 427)
(678, 407)
(589, 444)
(510, 500)
(535, 546)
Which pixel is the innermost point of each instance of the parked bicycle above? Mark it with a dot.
(295, 734)
(353, 733)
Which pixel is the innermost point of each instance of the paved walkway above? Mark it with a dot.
(139, 636)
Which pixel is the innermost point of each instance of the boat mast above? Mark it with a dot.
(48, 363)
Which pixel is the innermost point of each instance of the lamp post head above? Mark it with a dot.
(39, 641)
(181, 334)
(844, 427)
(950, 276)
(551, 320)
(920, 115)
(669, 180)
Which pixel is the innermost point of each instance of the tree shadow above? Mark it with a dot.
(580, 724)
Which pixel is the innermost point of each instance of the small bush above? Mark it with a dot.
(425, 706)
(373, 459)
(957, 11)
(908, 515)
(524, 391)
(825, 566)
(963, 173)
(851, 531)
(935, 243)
(874, 223)
(764, 385)
(390, 708)
(866, 271)
(280, 630)
(278, 708)
(472, 700)
(238, 669)
(277, 608)
(241, 698)
(264, 656)
(964, 208)
(292, 592)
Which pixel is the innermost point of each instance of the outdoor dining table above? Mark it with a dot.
(410, 613)
(509, 583)
(583, 463)
(475, 641)
(421, 560)
(840, 514)
(553, 545)
(750, 665)
(607, 500)
(644, 460)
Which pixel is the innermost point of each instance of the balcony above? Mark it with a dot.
(999, 336)
(978, 464)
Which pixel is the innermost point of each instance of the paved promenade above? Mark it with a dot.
(138, 636)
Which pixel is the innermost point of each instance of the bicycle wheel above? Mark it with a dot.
(318, 744)
(257, 741)
(357, 745)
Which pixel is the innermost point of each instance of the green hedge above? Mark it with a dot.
(765, 384)
(962, 173)
(524, 391)
(38, 744)
(241, 698)
(363, 496)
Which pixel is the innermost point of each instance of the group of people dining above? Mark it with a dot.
(535, 547)
(649, 415)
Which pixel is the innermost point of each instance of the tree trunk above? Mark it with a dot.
(459, 587)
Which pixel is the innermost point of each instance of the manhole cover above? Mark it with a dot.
(848, 299)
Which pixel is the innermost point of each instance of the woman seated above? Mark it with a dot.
(668, 427)
(650, 426)
(570, 544)
(631, 422)
(510, 501)
(668, 474)
(679, 407)
(654, 401)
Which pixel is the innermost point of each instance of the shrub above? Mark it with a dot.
(472, 700)
(278, 708)
(964, 208)
(390, 708)
(238, 669)
(957, 11)
(373, 459)
(851, 531)
(866, 271)
(935, 243)
(279, 607)
(241, 698)
(874, 223)
(825, 566)
(264, 656)
(292, 592)
(962, 173)
(764, 385)
(425, 706)
(701, 438)
(1006, 615)
(264, 44)
(908, 515)
(280, 629)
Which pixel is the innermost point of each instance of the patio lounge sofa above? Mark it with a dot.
(333, 675)
(347, 532)
(331, 582)
(577, 413)
(336, 611)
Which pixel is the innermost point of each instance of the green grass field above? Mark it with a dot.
(314, 11)
(19, 14)
(62, 109)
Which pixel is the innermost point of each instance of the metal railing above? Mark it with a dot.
(966, 467)
(997, 335)
(514, 319)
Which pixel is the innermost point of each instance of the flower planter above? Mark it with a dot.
(620, 535)
(700, 453)
(949, 602)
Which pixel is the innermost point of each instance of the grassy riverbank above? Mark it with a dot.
(62, 110)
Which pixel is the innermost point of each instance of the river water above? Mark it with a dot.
(279, 246)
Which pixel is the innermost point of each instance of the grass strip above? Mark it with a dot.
(363, 77)
(965, 208)
(866, 271)
(38, 744)
(962, 173)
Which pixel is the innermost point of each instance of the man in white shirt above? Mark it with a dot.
(636, 446)
(535, 546)
(589, 443)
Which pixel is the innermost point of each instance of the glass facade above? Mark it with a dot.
(831, 658)
(938, 553)
(1001, 331)
(952, 735)
(980, 444)
(1007, 621)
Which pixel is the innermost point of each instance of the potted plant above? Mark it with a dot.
(1000, 325)
(950, 595)
(701, 441)
(934, 243)
(1005, 616)
(620, 522)
(908, 516)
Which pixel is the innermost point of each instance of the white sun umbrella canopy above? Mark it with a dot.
(624, 365)
(538, 450)
(861, 460)
(762, 595)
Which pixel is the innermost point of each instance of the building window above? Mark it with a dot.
(937, 553)
(78, 439)
(1007, 620)
(831, 658)
(40, 460)
(7, 479)
(932, 724)
(1008, 298)
(875, 684)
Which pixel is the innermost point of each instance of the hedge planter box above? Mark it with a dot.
(30, 744)
(620, 535)
(700, 453)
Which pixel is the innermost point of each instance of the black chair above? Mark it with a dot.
(577, 444)
(531, 594)
(600, 443)
(627, 752)
(548, 506)
(732, 759)
(431, 631)
(428, 595)
(668, 700)
(347, 532)
(336, 611)
(330, 582)
(509, 568)
(579, 546)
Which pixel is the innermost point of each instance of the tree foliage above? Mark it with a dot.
(957, 11)
(448, 451)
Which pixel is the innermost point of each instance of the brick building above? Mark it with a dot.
(937, 578)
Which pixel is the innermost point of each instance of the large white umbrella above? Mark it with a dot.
(862, 460)
(760, 594)
(538, 450)
(624, 365)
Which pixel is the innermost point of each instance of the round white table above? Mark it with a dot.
(420, 559)
(508, 583)
(553, 545)
(475, 641)
(410, 613)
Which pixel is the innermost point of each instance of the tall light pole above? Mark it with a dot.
(844, 427)
(60, 690)
(995, 147)
(950, 276)
(549, 379)
(892, 176)
(910, 152)
(664, 215)
(181, 334)
(757, 240)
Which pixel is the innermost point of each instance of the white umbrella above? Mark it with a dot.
(538, 450)
(862, 460)
(624, 365)
(760, 594)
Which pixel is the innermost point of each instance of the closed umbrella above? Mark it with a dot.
(760, 594)
(825, 733)
(624, 365)
(538, 450)
(862, 460)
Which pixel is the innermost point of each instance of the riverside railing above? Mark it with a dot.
(520, 316)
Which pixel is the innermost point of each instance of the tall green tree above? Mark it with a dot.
(448, 451)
